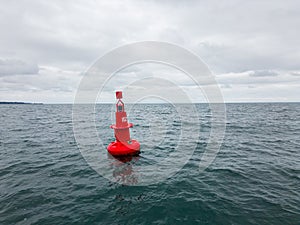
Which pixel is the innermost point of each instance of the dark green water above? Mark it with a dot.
(255, 178)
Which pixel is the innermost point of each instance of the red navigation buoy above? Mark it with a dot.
(123, 145)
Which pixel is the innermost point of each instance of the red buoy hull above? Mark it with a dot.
(117, 148)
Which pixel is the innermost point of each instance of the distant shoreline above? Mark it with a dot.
(20, 103)
(110, 103)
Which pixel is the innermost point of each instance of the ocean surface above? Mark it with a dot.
(254, 179)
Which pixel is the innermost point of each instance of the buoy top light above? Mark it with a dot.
(119, 94)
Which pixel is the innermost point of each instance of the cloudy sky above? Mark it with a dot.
(252, 47)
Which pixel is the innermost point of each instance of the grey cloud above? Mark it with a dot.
(226, 86)
(263, 73)
(258, 78)
(295, 73)
(16, 66)
(239, 57)
(230, 36)
(49, 79)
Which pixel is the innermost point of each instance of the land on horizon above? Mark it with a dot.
(20, 103)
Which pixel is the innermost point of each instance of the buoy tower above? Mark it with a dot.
(123, 145)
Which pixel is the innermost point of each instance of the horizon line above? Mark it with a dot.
(142, 103)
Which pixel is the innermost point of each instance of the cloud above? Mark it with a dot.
(226, 86)
(48, 79)
(16, 66)
(295, 73)
(263, 73)
(247, 44)
(257, 77)
(230, 36)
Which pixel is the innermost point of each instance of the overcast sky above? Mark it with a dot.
(252, 47)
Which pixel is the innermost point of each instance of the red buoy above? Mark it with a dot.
(123, 145)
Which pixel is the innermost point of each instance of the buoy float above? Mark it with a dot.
(123, 145)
